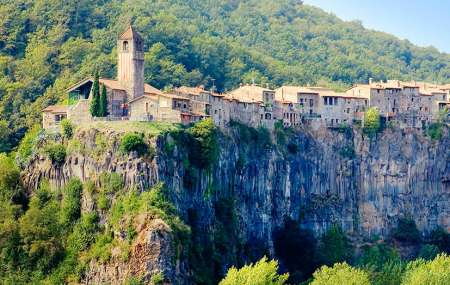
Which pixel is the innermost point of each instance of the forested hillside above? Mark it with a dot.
(46, 45)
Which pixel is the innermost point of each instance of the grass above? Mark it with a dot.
(148, 128)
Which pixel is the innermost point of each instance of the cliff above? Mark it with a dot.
(318, 178)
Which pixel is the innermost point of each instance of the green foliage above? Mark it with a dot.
(67, 128)
(407, 231)
(436, 271)
(102, 201)
(435, 131)
(56, 153)
(26, 147)
(263, 272)
(84, 233)
(428, 251)
(157, 279)
(372, 121)
(95, 107)
(71, 204)
(334, 247)
(133, 142)
(103, 103)
(111, 182)
(347, 151)
(340, 273)
(203, 150)
(10, 185)
(40, 232)
(441, 238)
(259, 138)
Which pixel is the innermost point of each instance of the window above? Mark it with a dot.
(125, 46)
(325, 100)
(146, 107)
(311, 102)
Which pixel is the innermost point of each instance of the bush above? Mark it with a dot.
(340, 273)
(26, 147)
(111, 182)
(292, 148)
(334, 247)
(372, 121)
(262, 272)
(56, 153)
(407, 231)
(157, 279)
(203, 148)
(441, 238)
(84, 233)
(10, 186)
(436, 272)
(435, 131)
(428, 251)
(71, 204)
(133, 142)
(67, 128)
(347, 152)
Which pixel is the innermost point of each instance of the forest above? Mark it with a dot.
(47, 45)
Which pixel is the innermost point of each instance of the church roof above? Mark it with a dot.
(113, 84)
(130, 34)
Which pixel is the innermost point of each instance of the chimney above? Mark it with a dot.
(370, 80)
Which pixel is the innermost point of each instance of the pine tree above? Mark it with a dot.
(103, 103)
(95, 102)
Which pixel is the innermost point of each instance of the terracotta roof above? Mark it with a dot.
(147, 95)
(130, 33)
(56, 109)
(190, 90)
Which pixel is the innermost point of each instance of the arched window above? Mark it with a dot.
(125, 46)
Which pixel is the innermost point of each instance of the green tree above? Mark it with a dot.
(67, 128)
(71, 202)
(334, 247)
(103, 111)
(372, 121)
(340, 273)
(263, 272)
(436, 271)
(133, 142)
(10, 185)
(95, 101)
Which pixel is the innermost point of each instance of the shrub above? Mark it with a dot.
(435, 131)
(133, 142)
(428, 251)
(102, 201)
(84, 233)
(406, 231)
(441, 238)
(71, 204)
(67, 128)
(372, 121)
(334, 247)
(435, 272)
(27, 144)
(111, 182)
(56, 153)
(347, 152)
(10, 188)
(340, 273)
(157, 279)
(262, 272)
(203, 148)
(292, 148)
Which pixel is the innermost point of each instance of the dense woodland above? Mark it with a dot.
(46, 45)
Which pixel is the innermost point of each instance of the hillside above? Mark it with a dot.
(45, 45)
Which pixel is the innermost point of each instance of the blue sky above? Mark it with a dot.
(423, 22)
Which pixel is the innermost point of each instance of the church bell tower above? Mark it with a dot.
(130, 68)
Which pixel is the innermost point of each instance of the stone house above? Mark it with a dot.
(53, 115)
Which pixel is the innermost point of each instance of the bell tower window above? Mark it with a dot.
(125, 46)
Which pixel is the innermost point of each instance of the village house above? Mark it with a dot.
(410, 104)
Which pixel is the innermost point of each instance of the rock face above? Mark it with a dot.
(322, 178)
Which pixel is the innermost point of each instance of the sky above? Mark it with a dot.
(422, 22)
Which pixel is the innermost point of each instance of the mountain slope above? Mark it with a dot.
(45, 45)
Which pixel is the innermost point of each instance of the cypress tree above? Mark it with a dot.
(95, 102)
(103, 103)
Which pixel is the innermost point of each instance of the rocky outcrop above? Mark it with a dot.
(319, 178)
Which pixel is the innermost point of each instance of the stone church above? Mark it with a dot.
(128, 87)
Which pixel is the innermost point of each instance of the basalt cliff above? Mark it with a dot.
(318, 178)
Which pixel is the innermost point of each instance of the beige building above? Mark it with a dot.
(53, 115)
